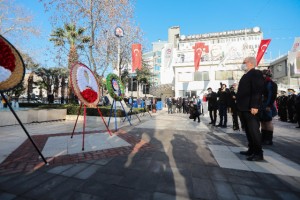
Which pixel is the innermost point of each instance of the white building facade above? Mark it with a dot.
(220, 64)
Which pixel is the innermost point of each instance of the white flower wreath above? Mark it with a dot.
(85, 79)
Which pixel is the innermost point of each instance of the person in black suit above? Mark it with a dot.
(223, 95)
(249, 96)
(211, 97)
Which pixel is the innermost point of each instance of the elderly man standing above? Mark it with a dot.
(249, 96)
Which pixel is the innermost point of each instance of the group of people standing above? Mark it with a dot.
(289, 107)
(220, 101)
(192, 106)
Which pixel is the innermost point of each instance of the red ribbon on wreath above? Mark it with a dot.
(89, 95)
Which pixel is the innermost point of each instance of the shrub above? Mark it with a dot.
(73, 110)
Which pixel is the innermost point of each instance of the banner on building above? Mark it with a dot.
(136, 51)
(294, 58)
(167, 55)
(262, 49)
(198, 49)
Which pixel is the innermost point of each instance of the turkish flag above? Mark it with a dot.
(136, 51)
(199, 47)
(262, 49)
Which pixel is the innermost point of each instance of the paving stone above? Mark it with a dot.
(95, 188)
(59, 169)
(271, 181)
(245, 197)
(199, 171)
(157, 166)
(4, 178)
(130, 178)
(160, 196)
(138, 164)
(224, 190)
(290, 182)
(64, 190)
(243, 190)
(203, 189)
(264, 192)
(46, 187)
(75, 169)
(6, 185)
(87, 172)
(217, 173)
(81, 196)
(106, 178)
(147, 181)
(287, 195)
(102, 161)
(118, 193)
(250, 181)
(6, 196)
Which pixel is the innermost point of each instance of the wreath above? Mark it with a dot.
(12, 68)
(85, 85)
(115, 87)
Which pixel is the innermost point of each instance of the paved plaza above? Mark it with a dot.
(165, 156)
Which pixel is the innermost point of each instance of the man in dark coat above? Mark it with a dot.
(234, 111)
(291, 105)
(297, 105)
(249, 96)
(282, 106)
(211, 98)
(223, 95)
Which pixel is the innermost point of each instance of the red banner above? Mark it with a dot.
(262, 49)
(198, 49)
(136, 52)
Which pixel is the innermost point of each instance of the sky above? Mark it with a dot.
(278, 19)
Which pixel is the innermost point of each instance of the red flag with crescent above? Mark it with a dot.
(198, 49)
(262, 49)
(136, 52)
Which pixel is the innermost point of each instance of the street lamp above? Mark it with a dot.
(119, 32)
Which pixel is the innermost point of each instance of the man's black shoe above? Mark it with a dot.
(219, 125)
(255, 157)
(297, 126)
(246, 153)
(224, 126)
(210, 123)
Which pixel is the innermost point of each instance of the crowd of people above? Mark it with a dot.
(254, 103)
(289, 107)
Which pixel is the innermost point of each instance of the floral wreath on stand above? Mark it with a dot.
(115, 87)
(12, 68)
(85, 85)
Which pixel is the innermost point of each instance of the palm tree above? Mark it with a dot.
(74, 37)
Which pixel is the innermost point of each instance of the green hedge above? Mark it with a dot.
(73, 110)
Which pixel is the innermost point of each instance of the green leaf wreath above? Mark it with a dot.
(110, 89)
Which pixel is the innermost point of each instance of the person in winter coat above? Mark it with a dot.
(211, 98)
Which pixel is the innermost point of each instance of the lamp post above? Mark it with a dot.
(119, 32)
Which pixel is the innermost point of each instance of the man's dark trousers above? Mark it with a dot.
(252, 131)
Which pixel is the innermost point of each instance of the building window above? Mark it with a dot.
(224, 75)
(237, 75)
(201, 76)
(185, 76)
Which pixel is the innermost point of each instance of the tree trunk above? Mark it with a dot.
(63, 86)
(137, 89)
(92, 42)
(73, 57)
(30, 86)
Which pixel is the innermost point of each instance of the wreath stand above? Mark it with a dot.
(23, 127)
(131, 106)
(114, 106)
(84, 122)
